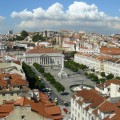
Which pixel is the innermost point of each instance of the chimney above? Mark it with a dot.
(7, 79)
(36, 94)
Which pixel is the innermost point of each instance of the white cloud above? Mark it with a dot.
(79, 15)
(84, 11)
(23, 14)
(2, 18)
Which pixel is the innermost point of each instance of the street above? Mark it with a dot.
(66, 82)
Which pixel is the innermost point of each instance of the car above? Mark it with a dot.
(45, 90)
(48, 89)
(64, 93)
(65, 110)
(39, 77)
(49, 93)
(66, 104)
(55, 98)
(56, 101)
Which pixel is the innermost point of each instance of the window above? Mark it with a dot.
(73, 100)
(3, 94)
(76, 104)
(22, 117)
(83, 111)
(4, 101)
(108, 89)
(92, 118)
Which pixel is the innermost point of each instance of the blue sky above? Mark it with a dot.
(101, 16)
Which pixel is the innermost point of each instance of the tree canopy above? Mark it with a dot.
(24, 34)
(32, 78)
(38, 37)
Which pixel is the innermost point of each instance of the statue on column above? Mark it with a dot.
(62, 71)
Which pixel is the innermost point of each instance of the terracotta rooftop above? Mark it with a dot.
(52, 111)
(15, 79)
(107, 107)
(70, 42)
(42, 50)
(111, 51)
(90, 96)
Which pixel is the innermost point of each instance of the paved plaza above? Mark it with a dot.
(72, 79)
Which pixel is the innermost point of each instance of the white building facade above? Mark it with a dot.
(44, 56)
(100, 63)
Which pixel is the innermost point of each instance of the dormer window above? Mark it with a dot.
(108, 89)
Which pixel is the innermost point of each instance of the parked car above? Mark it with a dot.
(39, 77)
(48, 89)
(64, 93)
(49, 93)
(45, 90)
(66, 104)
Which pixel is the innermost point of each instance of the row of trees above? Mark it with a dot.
(75, 67)
(39, 67)
(95, 78)
(109, 76)
(52, 81)
(49, 78)
(32, 78)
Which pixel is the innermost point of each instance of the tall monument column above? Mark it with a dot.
(62, 72)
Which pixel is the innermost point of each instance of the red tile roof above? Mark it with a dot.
(111, 51)
(15, 79)
(107, 107)
(90, 96)
(37, 50)
(49, 111)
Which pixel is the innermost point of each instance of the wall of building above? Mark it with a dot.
(24, 113)
(51, 59)
(8, 97)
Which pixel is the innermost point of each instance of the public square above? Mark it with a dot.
(72, 79)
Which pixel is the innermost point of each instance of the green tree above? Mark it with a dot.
(38, 37)
(33, 80)
(24, 34)
(101, 80)
(19, 38)
(39, 67)
(102, 74)
(110, 76)
(95, 78)
(117, 78)
(86, 74)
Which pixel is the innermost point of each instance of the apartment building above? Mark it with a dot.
(113, 52)
(100, 63)
(12, 67)
(69, 45)
(101, 103)
(11, 86)
(3, 48)
(26, 109)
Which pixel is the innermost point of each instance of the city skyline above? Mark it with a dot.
(91, 16)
